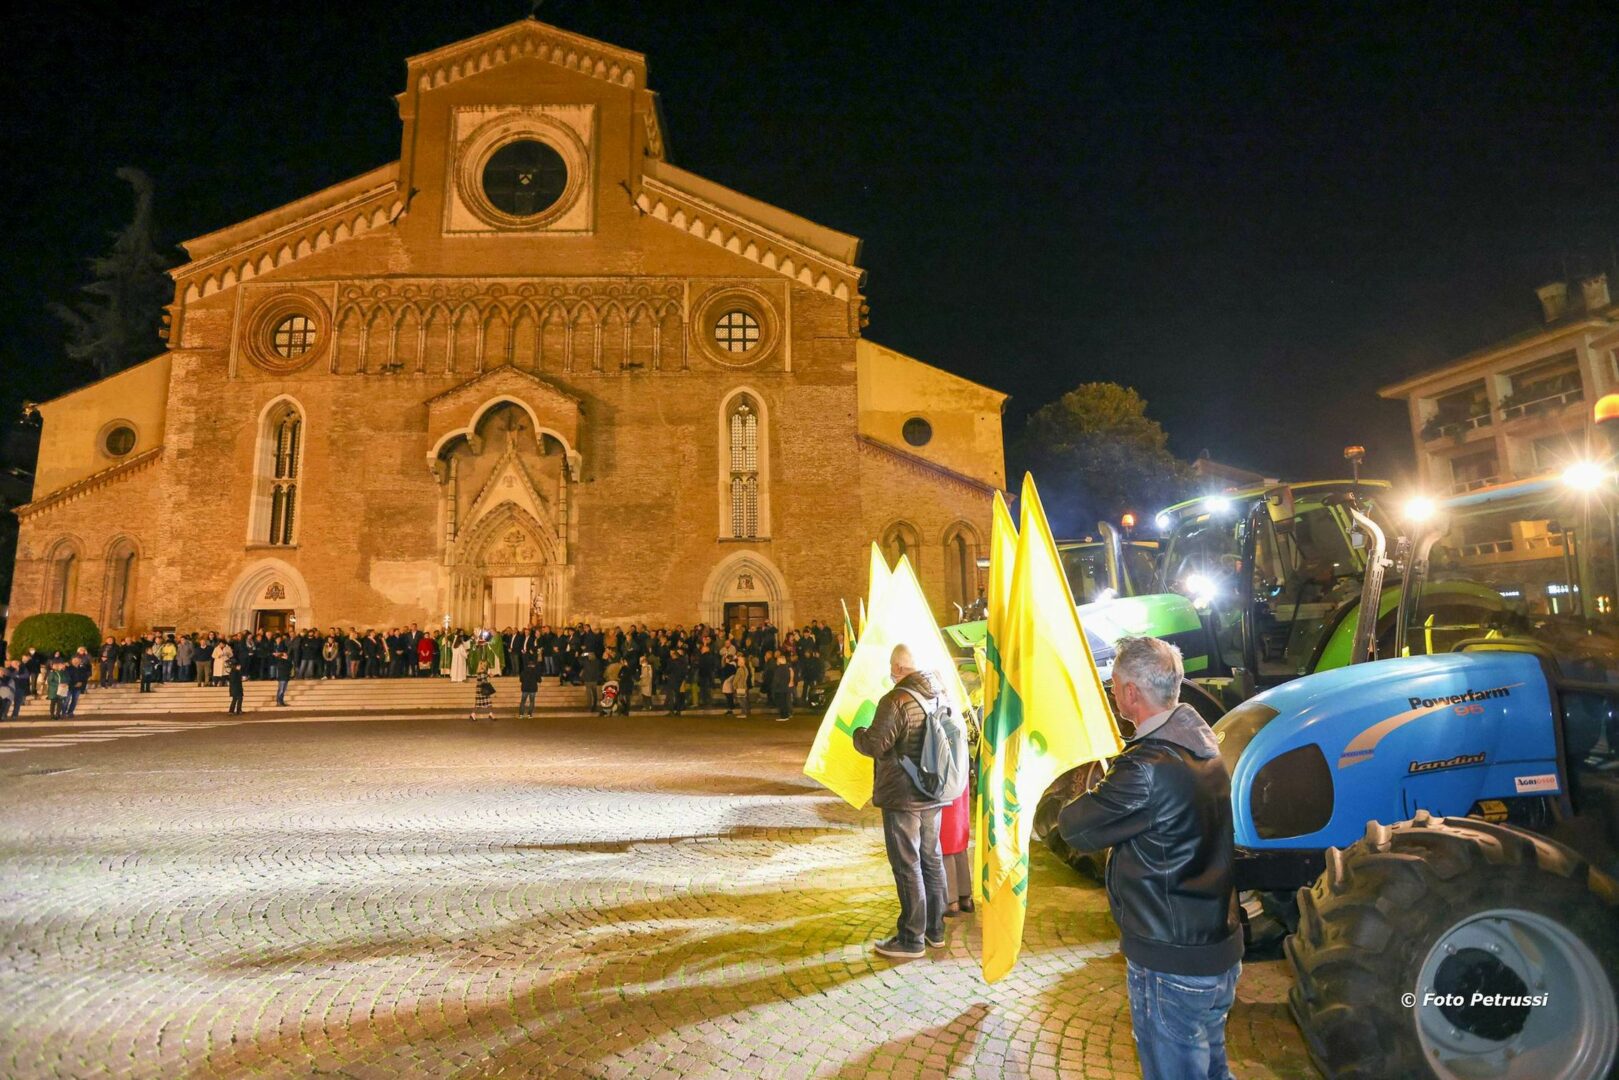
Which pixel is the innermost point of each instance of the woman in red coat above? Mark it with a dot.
(958, 862)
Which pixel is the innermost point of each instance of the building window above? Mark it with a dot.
(280, 465)
(917, 431)
(1472, 471)
(960, 567)
(901, 541)
(525, 177)
(736, 332)
(64, 578)
(744, 440)
(293, 336)
(120, 584)
(118, 441)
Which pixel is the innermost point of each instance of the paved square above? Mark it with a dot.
(551, 897)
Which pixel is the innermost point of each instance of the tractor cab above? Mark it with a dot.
(1273, 571)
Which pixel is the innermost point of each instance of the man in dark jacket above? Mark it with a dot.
(1164, 807)
(674, 681)
(910, 819)
(528, 681)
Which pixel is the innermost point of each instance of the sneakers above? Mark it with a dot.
(936, 939)
(896, 949)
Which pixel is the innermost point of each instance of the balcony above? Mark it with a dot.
(1541, 399)
(1443, 427)
(1462, 487)
(1514, 549)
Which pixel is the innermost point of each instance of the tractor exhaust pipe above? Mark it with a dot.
(1371, 592)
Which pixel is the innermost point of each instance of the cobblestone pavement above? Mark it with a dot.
(556, 897)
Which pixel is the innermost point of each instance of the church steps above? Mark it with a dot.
(356, 695)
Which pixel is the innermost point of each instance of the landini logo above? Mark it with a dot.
(1448, 763)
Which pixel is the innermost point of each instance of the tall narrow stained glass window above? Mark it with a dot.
(744, 425)
(279, 478)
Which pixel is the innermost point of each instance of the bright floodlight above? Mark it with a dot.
(1216, 504)
(1163, 521)
(1584, 476)
(1419, 508)
(1201, 586)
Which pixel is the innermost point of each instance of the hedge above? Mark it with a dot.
(61, 632)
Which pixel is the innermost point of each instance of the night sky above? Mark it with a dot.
(1255, 218)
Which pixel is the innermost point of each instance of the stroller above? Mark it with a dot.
(609, 699)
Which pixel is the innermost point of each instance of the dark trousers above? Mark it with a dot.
(783, 699)
(525, 702)
(281, 690)
(912, 840)
(235, 703)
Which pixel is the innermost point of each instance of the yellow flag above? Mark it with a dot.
(1049, 714)
(876, 577)
(848, 632)
(901, 615)
(1002, 557)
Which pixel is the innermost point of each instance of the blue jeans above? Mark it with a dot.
(281, 691)
(1179, 1022)
(525, 703)
(912, 839)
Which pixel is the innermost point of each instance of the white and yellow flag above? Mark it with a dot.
(899, 614)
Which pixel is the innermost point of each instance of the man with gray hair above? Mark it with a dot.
(1164, 807)
(910, 818)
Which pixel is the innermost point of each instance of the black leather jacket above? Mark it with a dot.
(1164, 807)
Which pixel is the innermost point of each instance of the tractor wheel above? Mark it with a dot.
(1064, 790)
(1412, 925)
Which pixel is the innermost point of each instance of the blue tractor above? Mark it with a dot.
(1476, 934)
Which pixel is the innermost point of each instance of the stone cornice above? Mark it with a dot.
(282, 245)
(921, 465)
(80, 488)
(532, 39)
(726, 228)
(503, 373)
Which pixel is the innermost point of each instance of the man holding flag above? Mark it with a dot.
(1164, 807)
(910, 818)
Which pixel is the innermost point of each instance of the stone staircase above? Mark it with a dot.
(306, 695)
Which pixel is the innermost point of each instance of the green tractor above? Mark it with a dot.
(1263, 585)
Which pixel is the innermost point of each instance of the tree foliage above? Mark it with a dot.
(1096, 454)
(54, 632)
(118, 321)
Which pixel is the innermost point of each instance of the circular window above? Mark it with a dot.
(736, 331)
(288, 330)
(293, 336)
(525, 177)
(119, 440)
(917, 431)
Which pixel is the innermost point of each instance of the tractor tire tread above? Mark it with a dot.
(1398, 890)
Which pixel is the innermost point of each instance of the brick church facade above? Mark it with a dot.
(531, 371)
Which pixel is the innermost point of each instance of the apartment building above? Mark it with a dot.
(1517, 410)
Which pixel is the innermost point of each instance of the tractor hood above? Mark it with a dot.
(1169, 616)
(1315, 759)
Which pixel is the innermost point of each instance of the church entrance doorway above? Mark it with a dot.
(271, 621)
(508, 602)
(745, 617)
